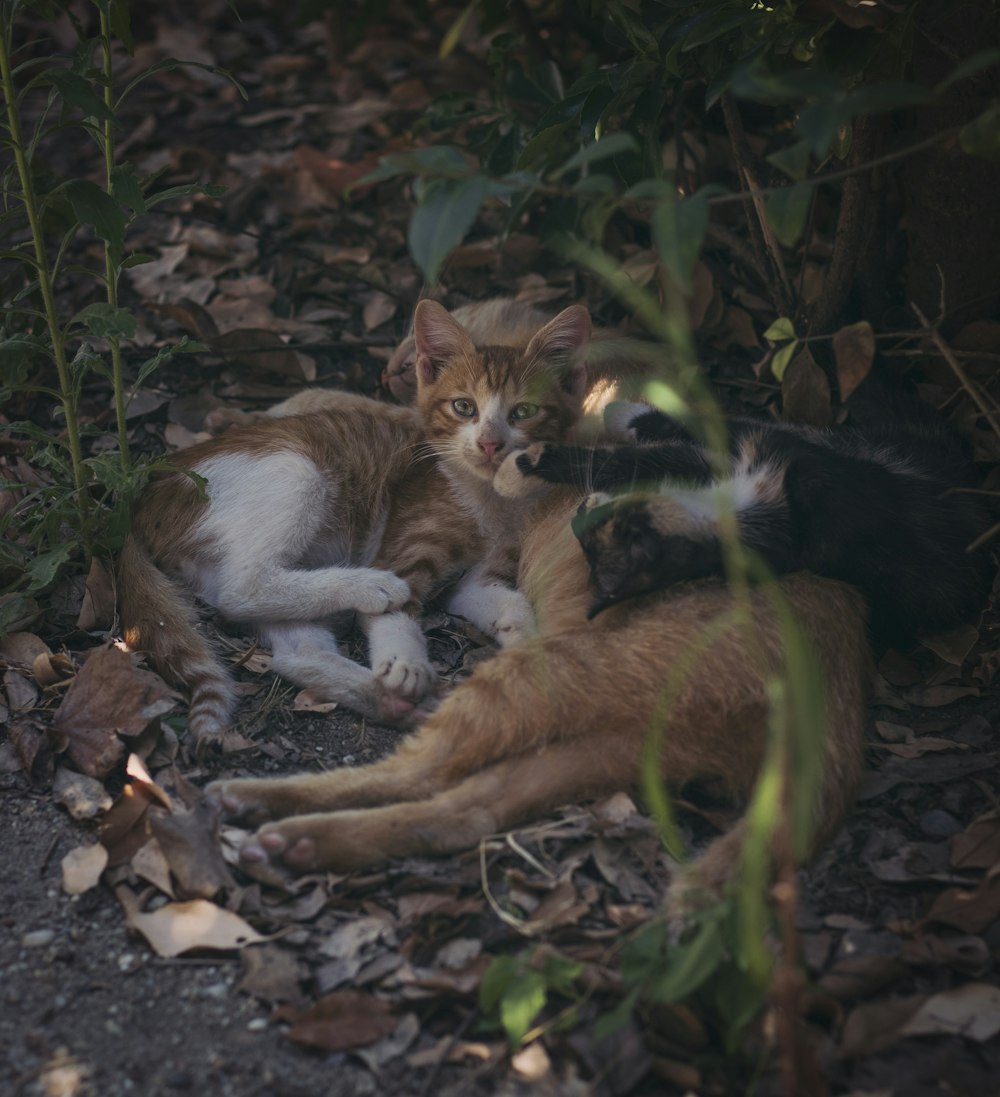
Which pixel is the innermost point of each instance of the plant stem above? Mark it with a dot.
(45, 285)
(110, 263)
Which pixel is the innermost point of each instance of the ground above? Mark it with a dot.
(290, 281)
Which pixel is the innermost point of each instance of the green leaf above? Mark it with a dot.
(104, 321)
(43, 569)
(787, 210)
(969, 67)
(781, 329)
(792, 160)
(690, 965)
(454, 32)
(779, 363)
(435, 160)
(549, 147)
(981, 136)
(679, 231)
(121, 24)
(78, 91)
(93, 206)
(615, 144)
(446, 213)
(126, 187)
(521, 1003)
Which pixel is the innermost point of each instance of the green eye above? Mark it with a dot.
(524, 411)
(465, 408)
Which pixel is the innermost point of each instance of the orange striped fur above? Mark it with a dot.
(355, 507)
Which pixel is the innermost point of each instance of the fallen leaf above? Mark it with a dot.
(272, 974)
(340, 1021)
(970, 910)
(379, 308)
(98, 609)
(187, 839)
(954, 646)
(972, 1011)
(23, 648)
(390, 1047)
(307, 701)
(83, 797)
(50, 668)
(261, 350)
(979, 845)
(109, 697)
(22, 693)
(177, 928)
(82, 868)
(149, 863)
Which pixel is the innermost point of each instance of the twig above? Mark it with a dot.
(957, 368)
(983, 538)
(464, 1025)
(854, 227)
(761, 239)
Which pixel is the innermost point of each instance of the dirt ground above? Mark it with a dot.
(900, 916)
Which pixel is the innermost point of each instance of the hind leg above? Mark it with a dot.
(453, 819)
(308, 655)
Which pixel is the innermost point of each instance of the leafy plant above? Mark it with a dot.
(79, 504)
(516, 989)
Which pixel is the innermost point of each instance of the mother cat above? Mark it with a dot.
(356, 506)
(566, 716)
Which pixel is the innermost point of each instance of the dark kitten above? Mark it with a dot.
(877, 504)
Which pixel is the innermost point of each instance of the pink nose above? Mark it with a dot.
(489, 447)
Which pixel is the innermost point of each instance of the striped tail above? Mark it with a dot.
(160, 619)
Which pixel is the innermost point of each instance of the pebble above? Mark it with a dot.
(38, 938)
(258, 1024)
(297, 937)
(214, 990)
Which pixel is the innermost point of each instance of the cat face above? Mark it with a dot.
(479, 403)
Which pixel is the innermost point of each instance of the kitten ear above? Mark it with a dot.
(564, 335)
(439, 337)
(563, 338)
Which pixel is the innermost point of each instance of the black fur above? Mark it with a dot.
(876, 504)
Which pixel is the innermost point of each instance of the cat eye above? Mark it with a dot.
(465, 408)
(524, 411)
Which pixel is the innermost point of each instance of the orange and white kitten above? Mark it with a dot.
(356, 506)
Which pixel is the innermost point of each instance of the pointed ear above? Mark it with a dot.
(563, 336)
(563, 339)
(439, 338)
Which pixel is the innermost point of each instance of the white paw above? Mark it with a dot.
(618, 418)
(510, 482)
(515, 623)
(405, 677)
(377, 591)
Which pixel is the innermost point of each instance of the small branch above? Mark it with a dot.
(854, 227)
(761, 246)
(957, 368)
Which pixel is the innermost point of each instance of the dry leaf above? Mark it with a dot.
(972, 1011)
(307, 701)
(969, 910)
(979, 845)
(98, 609)
(49, 669)
(854, 352)
(339, 1021)
(954, 646)
(82, 868)
(261, 350)
(149, 863)
(379, 308)
(272, 974)
(177, 928)
(109, 695)
(805, 392)
(23, 648)
(83, 797)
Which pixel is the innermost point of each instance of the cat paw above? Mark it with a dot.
(242, 800)
(376, 591)
(273, 847)
(515, 624)
(619, 417)
(516, 476)
(402, 687)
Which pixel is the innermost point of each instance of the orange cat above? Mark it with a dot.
(358, 506)
(566, 716)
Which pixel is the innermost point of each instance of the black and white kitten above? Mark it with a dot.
(878, 504)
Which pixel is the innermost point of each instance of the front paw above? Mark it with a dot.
(517, 475)
(404, 688)
(376, 591)
(515, 623)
